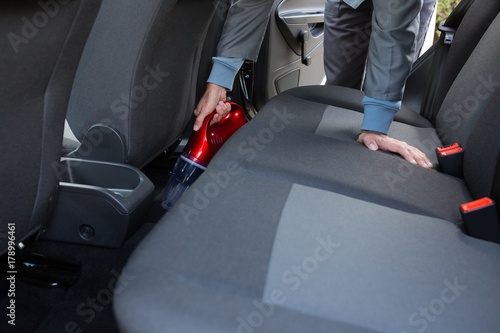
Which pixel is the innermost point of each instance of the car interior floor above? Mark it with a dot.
(85, 306)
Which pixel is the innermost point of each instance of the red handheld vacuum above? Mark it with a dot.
(201, 147)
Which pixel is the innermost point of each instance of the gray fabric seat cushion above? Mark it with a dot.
(351, 99)
(323, 262)
(315, 145)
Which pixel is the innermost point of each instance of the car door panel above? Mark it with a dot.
(292, 52)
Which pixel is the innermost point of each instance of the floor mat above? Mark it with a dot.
(83, 307)
(92, 315)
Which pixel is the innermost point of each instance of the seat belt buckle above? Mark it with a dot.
(480, 219)
(449, 33)
(450, 159)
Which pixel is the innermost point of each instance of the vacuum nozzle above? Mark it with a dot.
(201, 147)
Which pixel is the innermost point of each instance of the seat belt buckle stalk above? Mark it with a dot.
(451, 159)
(449, 33)
(481, 220)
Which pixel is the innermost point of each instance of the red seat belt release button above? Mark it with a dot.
(451, 159)
(480, 219)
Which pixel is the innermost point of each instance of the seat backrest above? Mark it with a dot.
(477, 19)
(139, 72)
(37, 65)
(482, 154)
(469, 113)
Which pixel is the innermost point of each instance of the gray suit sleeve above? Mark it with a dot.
(244, 29)
(390, 55)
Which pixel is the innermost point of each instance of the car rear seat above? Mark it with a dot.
(397, 184)
(294, 227)
(304, 150)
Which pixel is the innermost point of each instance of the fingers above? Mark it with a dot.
(213, 96)
(368, 140)
(222, 109)
(375, 141)
(412, 154)
(203, 109)
(199, 121)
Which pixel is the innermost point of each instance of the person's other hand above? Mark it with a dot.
(213, 98)
(376, 141)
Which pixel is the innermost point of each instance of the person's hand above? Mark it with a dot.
(213, 98)
(376, 141)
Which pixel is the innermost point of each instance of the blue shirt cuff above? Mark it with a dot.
(379, 114)
(224, 71)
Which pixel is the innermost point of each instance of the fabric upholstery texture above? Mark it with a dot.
(351, 99)
(297, 258)
(308, 148)
(296, 227)
(471, 29)
(37, 65)
(129, 78)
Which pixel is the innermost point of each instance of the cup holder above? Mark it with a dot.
(99, 203)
